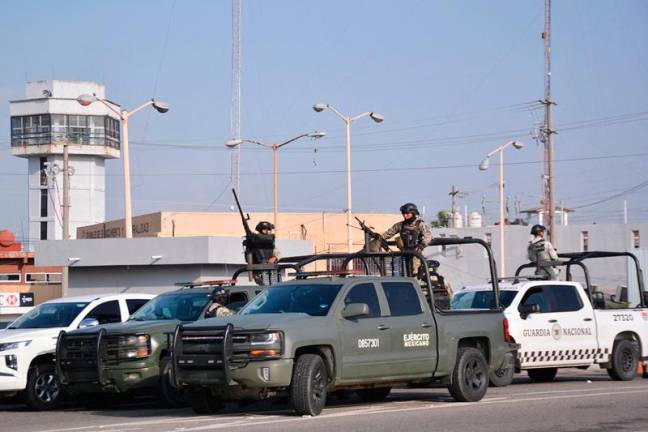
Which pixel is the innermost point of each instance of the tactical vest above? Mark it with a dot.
(538, 254)
(410, 234)
(263, 248)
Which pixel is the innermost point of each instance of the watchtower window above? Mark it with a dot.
(584, 241)
(636, 241)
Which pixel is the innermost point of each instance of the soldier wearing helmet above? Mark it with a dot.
(220, 297)
(542, 253)
(265, 251)
(414, 233)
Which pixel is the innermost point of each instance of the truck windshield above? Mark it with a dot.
(480, 299)
(183, 307)
(314, 300)
(49, 315)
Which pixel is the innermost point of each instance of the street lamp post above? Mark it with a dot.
(124, 115)
(484, 166)
(348, 120)
(275, 163)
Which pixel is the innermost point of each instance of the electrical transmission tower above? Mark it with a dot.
(235, 111)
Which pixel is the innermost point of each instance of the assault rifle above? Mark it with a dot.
(248, 243)
(373, 235)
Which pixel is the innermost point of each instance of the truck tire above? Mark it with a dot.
(204, 402)
(377, 394)
(501, 377)
(470, 376)
(542, 374)
(43, 391)
(308, 387)
(169, 395)
(623, 363)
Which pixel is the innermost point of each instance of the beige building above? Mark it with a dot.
(327, 231)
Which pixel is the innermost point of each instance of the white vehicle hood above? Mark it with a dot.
(8, 335)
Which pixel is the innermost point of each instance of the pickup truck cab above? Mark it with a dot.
(133, 356)
(310, 336)
(27, 345)
(562, 324)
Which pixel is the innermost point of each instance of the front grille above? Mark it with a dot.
(76, 358)
(202, 356)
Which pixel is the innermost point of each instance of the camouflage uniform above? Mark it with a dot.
(260, 275)
(422, 232)
(542, 253)
(217, 310)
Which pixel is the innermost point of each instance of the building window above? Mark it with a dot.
(584, 241)
(43, 230)
(43, 202)
(488, 238)
(43, 278)
(636, 240)
(56, 128)
(9, 277)
(43, 171)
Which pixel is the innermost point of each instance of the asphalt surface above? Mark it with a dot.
(576, 401)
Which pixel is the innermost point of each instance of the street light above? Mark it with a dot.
(483, 166)
(275, 162)
(378, 118)
(124, 115)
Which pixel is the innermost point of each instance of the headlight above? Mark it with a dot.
(266, 344)
(13, 345)
(130, 340)
(134, 346)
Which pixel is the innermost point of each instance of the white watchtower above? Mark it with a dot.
(42, 125)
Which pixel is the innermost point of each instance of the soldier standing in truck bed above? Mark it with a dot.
(543, 254)
(265, 251)
(414, 233)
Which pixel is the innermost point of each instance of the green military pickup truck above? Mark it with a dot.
(134, 355)
(314, 335)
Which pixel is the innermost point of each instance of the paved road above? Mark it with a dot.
(577, 401)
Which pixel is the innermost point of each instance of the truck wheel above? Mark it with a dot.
(43, 391)
(171, 396)
(374, 394)
(470, 376)
(308, 388)
(542, 374)
(623, 364)
(501, 377)
(204, 402)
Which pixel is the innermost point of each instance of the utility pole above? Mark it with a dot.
(66, 192)
(454, 192)
(549, 184)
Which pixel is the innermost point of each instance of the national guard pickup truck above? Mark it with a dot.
(134, 355)
(27, 345)
(565, 324)
(324, 332)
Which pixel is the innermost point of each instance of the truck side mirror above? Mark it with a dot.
(88, 322)
(528, 309)
(355, 310)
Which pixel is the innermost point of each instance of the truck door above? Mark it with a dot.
(413, 349)
(548, 337)
(365, 339)
(575, 317)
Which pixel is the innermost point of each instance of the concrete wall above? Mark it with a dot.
(466, 265)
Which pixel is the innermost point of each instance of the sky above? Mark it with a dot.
(453, 79)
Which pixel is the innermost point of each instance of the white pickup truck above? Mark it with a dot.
(562, 324)
(27, 345)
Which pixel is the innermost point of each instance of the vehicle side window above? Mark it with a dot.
(106, 313)
(135, 304)
(536, 296)
(565, 298)
(237, 301)
(364, 293)
(402, 298)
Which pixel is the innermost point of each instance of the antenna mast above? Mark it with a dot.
(548, 132)
(235, 111)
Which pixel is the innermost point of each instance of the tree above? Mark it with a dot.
(442, 220)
